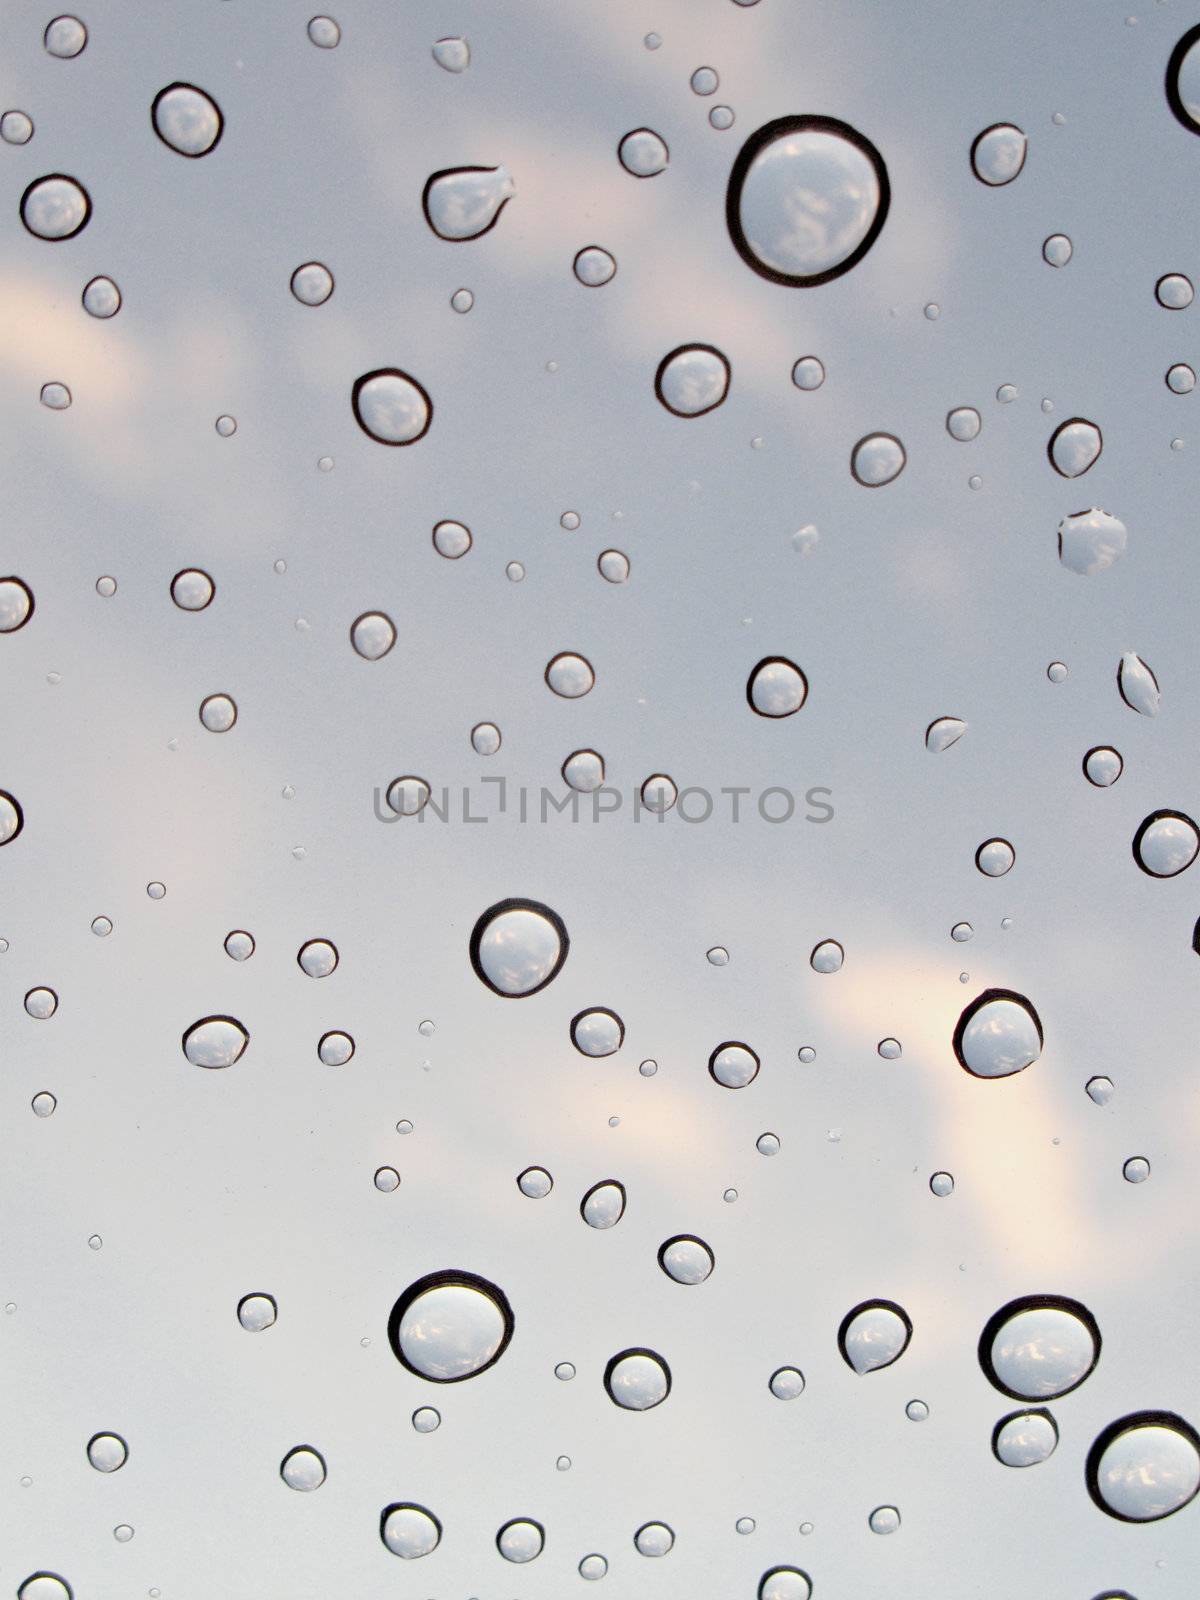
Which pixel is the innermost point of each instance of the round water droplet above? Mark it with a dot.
(942, 1184)
(41, 1003)
(218, 713)
(426, 1420)
(594, 266)
(643, 153)
(1144, 1466)
(55, 207)
(583, 770)
(44, 1104)
(570, 675)
(658, 793)
(593, 1567)
(944, 732)
(535, 1182)
(597, 1032)
(785, 1583)
(733, 1065)
(961, 932)
(410, 1531)
(257, 1311)
(569, 520)
(637, 1380)
(1181, 379)
(303, 1468)
(518, 946)
(16, 127)
(373, 634)
(514, 572)
(776, 687)
(613, 566)
(1166, 844)
(692, 379)
(485, 738)
(226, 426)
(1103, 765)
(12, 818)
(1006, 393)
(998, 1034)
(722, 118)
(107, 1452)
(335, 1049)
(521, 1540)
(787, 1383)
(466, 202)
(186, 119)
(705, 81)
(44, 1586)
(808, 373)
(1057, 672)
(564, 1371)
(102, 927)
(1174, 291)
(101, 298)
(807, 198)
(916, 1411)
(964, 424)
(995, 857)
(462, 301)
(215, 1042)
(407, 796)
(648, 1069)
(312, 283)
(239, 945)
(889, 1049)
(998, 154)
(324, 33)
(1039, 1347)
(876, 459)
(686, 1259)
(192, 589)
(1100, 1090)
(65, 37)
(1074, 448)
(449, 1326)
(1136, 1170)
(95, 1242)
(387, 1180)
(1088, 541)
(106, 587)
(391, 407)
(884, 1519)
(827, 956)
(16, 604)
(653, 1539)
(1057, 250)
(874, 1335)
(55, 396)
(452, 55)
(122, 1533)
(1183, 80)
(718, 956)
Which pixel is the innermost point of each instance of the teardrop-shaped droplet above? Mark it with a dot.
(807, 198)
(1039, 1347)
(944, 732)
(452, 55)
(1166, 844)
(776, 687)
(876, 459)
(449, 1326)
(518, 947)
(1145, 1466)
(998, 154)
(521, 1540)
(391, 407)
(643, 153)
(1090, 541)
(874, 1335)
(603, 1205)
(186, 119)
(1075, 447)
(1025, 1438)
(465, 202)
(998, 1034)
(733, 1065)
(692, 379)
(686, 1259)
(1137, 685)
(637, 1380)
(55, 207)
(215, 1042)
(410, 1531)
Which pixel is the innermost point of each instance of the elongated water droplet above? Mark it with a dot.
(215, 1042)
(1137, 685)
(1039, 1347)
(1090, 541)
(944, 732)
(1145, 1466)
(55, 207)
(692, 380)
(603, 1205)
(465, 202)
(1074, 448)
(998, 1034)
(733, 1065)
(776, 687)
(186, 119)
(597, 1032)
(518, 947)
(998, 154)
(643, 153)
(637, 1380)
(409, 1531)
(449, 1326)
(391, 407)
(876, 459)
(874, 1335)
(686, 1259)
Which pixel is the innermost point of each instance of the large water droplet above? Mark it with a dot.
(876, 459)
(44, 1586)
(874, 1335)
(409, 1531)
(192, 589)
(1183, 80)
(776, 687)
(1075, 447)
(521, 1540)
(998, 1034)
(603, 1205)
(643, 153)
(1090, 541)
(215, 1042)
(1166, 844)
(654, 1539)
(65, 37)
(998, 154)
(449, 1326)
(597, 1032)
(807, 198)
(55, 207)
(1137, 685)
(944, 732)
(1144, 1466)
(583, 770)
(518, 947)
(1025, 1438)
(372, 634)
(733, 1065)
(686, 1259)
(637, 1380)
(692, 379)
(186, 119)
(391, 407)
(570, 675)
(107, 1452)
(785, 1583)
(16, 604)
(303, 1468)
(465, 202)
(1039, 1347)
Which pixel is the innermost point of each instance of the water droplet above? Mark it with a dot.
(767, 1144)
(564, 1371)
(874, 1335)
(1180, 378)
(335, 1049)
(95, 1242)
(1136, 1170)
(916, 1411)
(593, 1567)
(1074, 448)
(932, 311)
(944, 732)
(613, 566)
(44, 1586)
(1057, 250)
(218, 713)
(884, 1519)
(65, 37)
(55, 207)
(453, 55)
(807, 198)
(686, 1259)
(514, 572)
(391, 407)
(643, 153)
(1103, 765)
(373, 634)
(1137, 685)
(387, 1180)
(462, 300)
(876, 459)
(1174, 291)
(733, 1065)
(785, 1583)
(303, 1468)
(16, 127)
(239, 945)
(808, 373)
(964, 424)
(729, 1196)
(407, 796)
(1088, 541)
(1039, 1347)
(102, 927)
(122, 1533)
(16, 604)
(12, 818)
(192, 589)
(449, 1326)
(597, 1032)
(648, 1069)
(485, 738)
(722, 118)
(107, 1452)
(827, 956)
(215, 1042)
(186, 119)
(652, 41)
(465, 202)
(705, 81)
(324, 464)
(324, 33)
(226, 426)
(776, 687)
(653, 1539)
(41, 1003)
(637, 1380)
(995, 857)
(583, 770)
(889, 1049)
(410, 1531)
(998, 1034)
(1057, 672)
(1145, 1466)
(786, 1383)
(518, 947)
(807, 1054)
(404, 1127)
(1100, 1090)
(426, 1420)
(718, 956)
(942, 1184)
(521, 1540)
(745, 1526)
(106, 587)
(256, 1312)
(603, 1205)
(312, 283)
(594, 266)
(44, 1104)
(1166, 844)
(535, 1182)
(570, 675)
(55, 396)
(658, 793)
(692, 380)
(998, 154)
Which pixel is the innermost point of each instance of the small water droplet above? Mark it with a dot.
(995, 857)
(303, 1468)
(594, 266)
(462, 301)
(102, 927)
(1057, 672)
(218, 713)
(884, 1519)
(1181, 379)
(106, 587)
(215, 1042)
(535, 1182)
(334, 1049)
(387, 1180)
(95, 1242)
(44, 1104)
(1100, 1090)
(808, 373)
(722, 118)
(998, 154)
(593, 1567)
(324, 33)
(654, 1539)
(407, 796)
(55, 207)
(564, 1371)
(1137, 685)
(643, 153)
(729, 1196)
(648, 1068)
(767, 1144)
(518, 946)
(514, 572)
(786, 1383)
(637, 1380)
(827, 956)
(998, 1034)
(44, 1586)
(312, 283)
(942, 1184)
(16, 127)
(186, 119)
(373, 634)
(1136, 1169)
(776, 687)
(41, 1003)
(101, 298)
(613, 566)
(521, 1540)
(426, 1420)
(745, 1526)
(404, 1127)
(1074, 448)
(1057, 250)
(1088, 541)
(570, 675)
(239, 945)
(876, 459)
(1166, 844)
(485, 738)
(718, 956)
(122, 1533)
(603, 1205)
(410, 1531)
(257, 1312)
(686, 1259)
(964, 424)
(916, 1411)
(733, 1065)
(107, 1452)
(452, 55)
(16, 604)
(449, 1326)
(692, 379)
(1174, 291)
(874, 1335)
(889, 1049)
